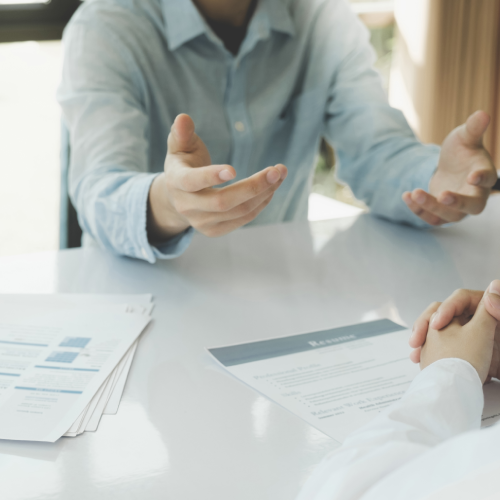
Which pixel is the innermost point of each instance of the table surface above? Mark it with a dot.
(188, 430)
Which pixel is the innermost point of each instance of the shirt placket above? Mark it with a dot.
(238, 116)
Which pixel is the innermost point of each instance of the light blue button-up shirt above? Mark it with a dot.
(304, 71)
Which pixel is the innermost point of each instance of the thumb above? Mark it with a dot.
(491, 299)
(182, 138)
(473, 129)
(483, 322)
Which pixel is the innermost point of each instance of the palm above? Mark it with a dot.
(460, 156)
(463, 178)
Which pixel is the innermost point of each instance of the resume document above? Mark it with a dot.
(337, 379)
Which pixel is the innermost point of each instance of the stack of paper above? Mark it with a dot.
(64, 360)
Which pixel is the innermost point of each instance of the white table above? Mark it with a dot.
(186, 430)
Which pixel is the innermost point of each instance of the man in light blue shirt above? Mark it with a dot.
(262, 81)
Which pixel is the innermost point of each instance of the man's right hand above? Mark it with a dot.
(184, 194)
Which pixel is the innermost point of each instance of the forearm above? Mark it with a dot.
(399, 165)
(384, 161)
(107, 116)
(112, 208)
(378, 155)
(444, 400)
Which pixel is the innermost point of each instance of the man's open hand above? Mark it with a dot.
(184, 194)
(460, 309)
(463, 179)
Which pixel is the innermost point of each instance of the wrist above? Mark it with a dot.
(163, 221)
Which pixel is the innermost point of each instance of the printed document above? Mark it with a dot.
(336, 380)
(53, 361)
(141, 304)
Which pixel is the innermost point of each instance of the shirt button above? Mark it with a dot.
(239, 126)
(144, 253)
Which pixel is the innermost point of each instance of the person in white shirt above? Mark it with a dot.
(429, 445)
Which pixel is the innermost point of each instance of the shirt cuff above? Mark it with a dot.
(175, 246)
(137, 227)
(449, 393)
(421, 179)
(387, 203)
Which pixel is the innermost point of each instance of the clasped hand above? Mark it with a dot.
(466, 325)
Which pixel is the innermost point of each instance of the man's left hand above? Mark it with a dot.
(463, 179)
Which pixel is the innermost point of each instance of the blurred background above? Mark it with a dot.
(439, 61)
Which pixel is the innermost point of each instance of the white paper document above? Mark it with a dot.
(53, 361)
(119, 383)
(89, 419)
(336, 380)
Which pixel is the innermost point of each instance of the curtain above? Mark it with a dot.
(447, 65)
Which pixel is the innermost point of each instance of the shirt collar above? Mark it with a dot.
(183, 21)
(279, 16)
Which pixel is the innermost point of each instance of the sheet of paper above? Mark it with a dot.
(93, 423)
(96, 407)
(74, 430)
(338, 379)
(79, 425)
(100, 401)
(53, 362)
(116, 396)
(491, 410)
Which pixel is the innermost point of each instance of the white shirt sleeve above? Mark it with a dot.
(444, 400)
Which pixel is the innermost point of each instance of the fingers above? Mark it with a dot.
(484, 176)
(182, 138)
(415, 355)
(249, 206)
(421, 325)
(460, 302)
(462, 204)
(492, 299)
(283, 170)
(472, 131)
(202, 220)
(449, 206)
(418, 210)
(227, 198)
(483, 322)
(430, 204)
(192, 180)
(228, 226)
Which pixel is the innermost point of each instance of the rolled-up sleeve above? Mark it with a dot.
(103, 104)
(378, 154)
